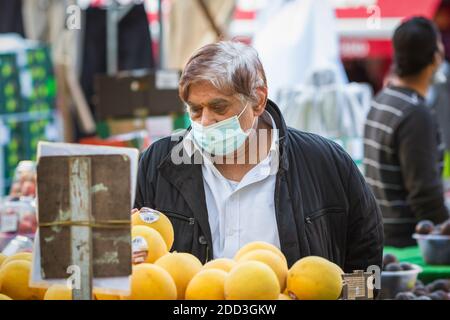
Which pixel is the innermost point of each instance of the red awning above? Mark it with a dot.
(391, 9)
(365, 31)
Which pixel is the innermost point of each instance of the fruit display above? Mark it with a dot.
(400, 280)
(425, 227)
(24, 182)
(18, 210)
(258, 271)
(17, 217)
(436, 290)
(391, 264)
(434, 242)
(397, 276)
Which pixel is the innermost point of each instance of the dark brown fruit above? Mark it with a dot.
(405, 296)
(439, 295)
(420, 291)
(406, 266)
(393, 267)
(424, 227)
(389, 258)
(440, 285)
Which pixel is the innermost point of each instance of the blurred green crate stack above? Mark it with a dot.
(42, 98)
(10, 103)
(35, 131)
(14, 150)
(10, 96)
(24, 133)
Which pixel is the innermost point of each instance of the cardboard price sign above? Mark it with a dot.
(84, 215)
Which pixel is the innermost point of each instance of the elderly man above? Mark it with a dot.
(240, 175)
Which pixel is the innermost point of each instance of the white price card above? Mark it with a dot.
(51, 132)
(9, 222)
(167, 79)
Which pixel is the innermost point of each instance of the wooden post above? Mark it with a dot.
(81, 236)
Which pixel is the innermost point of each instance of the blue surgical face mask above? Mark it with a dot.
(221, 138)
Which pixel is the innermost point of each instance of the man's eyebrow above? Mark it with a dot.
(218, 101)
(191, 104)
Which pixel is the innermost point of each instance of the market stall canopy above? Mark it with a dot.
(365, 27)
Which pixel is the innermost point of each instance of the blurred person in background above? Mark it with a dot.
(402, 145)
(438, 97)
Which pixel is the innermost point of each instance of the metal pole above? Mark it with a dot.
(114, 14)
(112, 22)
(161, 59)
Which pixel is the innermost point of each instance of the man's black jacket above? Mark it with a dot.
(323, 205)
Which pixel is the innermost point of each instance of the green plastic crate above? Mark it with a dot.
(42, 100)
(10, 94)
(13, 152)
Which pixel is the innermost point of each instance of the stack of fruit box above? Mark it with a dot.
(42, 98)
(11, 142)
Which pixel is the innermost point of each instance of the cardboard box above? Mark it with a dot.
(138, 93)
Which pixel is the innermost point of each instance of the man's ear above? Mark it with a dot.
(438, 59)
(259, 108)
(439, 56)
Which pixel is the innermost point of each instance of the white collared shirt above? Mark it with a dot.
(242, 212)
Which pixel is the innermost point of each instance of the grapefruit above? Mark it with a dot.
(251, 280)
(258, 245)
(14, 278)
(151, 282)
(182, 267)
(58, 292)
(155, 220)
(208, 284)
(147, 245)
(274, 261)
(314, 278)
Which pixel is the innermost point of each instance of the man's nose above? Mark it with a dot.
(208, 118)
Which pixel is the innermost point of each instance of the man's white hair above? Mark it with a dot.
(232, 67)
